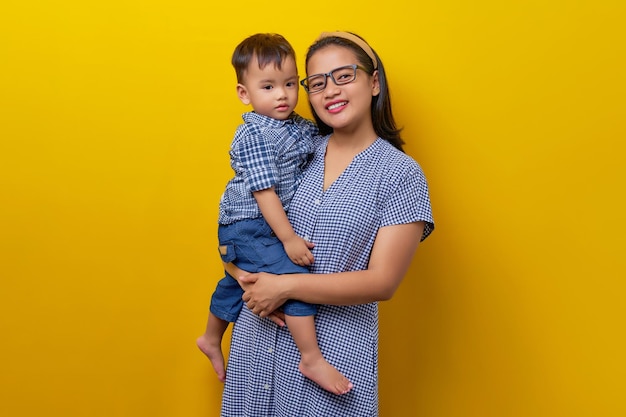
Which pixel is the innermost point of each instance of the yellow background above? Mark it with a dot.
(115, 121)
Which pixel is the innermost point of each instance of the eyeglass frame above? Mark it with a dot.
(329, 74)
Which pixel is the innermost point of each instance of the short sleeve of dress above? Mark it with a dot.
(256, 157)
(409, 202)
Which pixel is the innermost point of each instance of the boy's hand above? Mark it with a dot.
(299, 250)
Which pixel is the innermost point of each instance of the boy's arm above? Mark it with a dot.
(271, 207)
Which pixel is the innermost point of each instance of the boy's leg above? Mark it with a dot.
(210, 343)
(225, 306)
(312, 363)
(265, 253)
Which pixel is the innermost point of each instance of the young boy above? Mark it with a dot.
(268, 155)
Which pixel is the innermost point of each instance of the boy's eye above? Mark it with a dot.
(291, 84)
(267, 87)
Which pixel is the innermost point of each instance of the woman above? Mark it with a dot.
(365, 206)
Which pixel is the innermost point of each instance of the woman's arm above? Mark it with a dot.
(391, 256)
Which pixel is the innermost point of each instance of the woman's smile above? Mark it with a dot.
(336, 106)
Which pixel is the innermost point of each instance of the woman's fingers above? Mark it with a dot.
(278, 318)
(248, 278)
(252, 306)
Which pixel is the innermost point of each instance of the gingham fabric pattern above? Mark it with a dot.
(382, 186)
(265, 152)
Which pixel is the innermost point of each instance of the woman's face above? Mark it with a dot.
(342, 107)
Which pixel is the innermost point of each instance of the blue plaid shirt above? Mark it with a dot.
(265, 153)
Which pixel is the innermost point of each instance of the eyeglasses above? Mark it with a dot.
(340, 76)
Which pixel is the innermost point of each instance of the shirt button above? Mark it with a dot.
(317, 201)
(266, 386)
(270, 350)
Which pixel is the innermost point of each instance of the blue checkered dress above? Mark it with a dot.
(381, 187)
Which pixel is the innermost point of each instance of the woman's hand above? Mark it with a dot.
(263, 292)
(278, 317)
(247, 281)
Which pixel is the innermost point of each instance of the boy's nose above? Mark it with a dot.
(281, 92)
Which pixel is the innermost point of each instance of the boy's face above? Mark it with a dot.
(272, 92)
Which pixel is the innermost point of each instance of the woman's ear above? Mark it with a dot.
(242, 93)
(375, 84)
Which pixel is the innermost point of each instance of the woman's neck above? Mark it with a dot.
(341, 150)
(355, 141)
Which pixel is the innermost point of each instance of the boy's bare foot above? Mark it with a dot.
(214, 353)
(325, 375)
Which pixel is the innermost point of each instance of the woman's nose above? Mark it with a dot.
(331, 88)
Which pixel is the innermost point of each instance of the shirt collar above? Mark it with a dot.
(253, 117)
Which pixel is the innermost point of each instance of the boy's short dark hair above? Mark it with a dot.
(269, 48)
